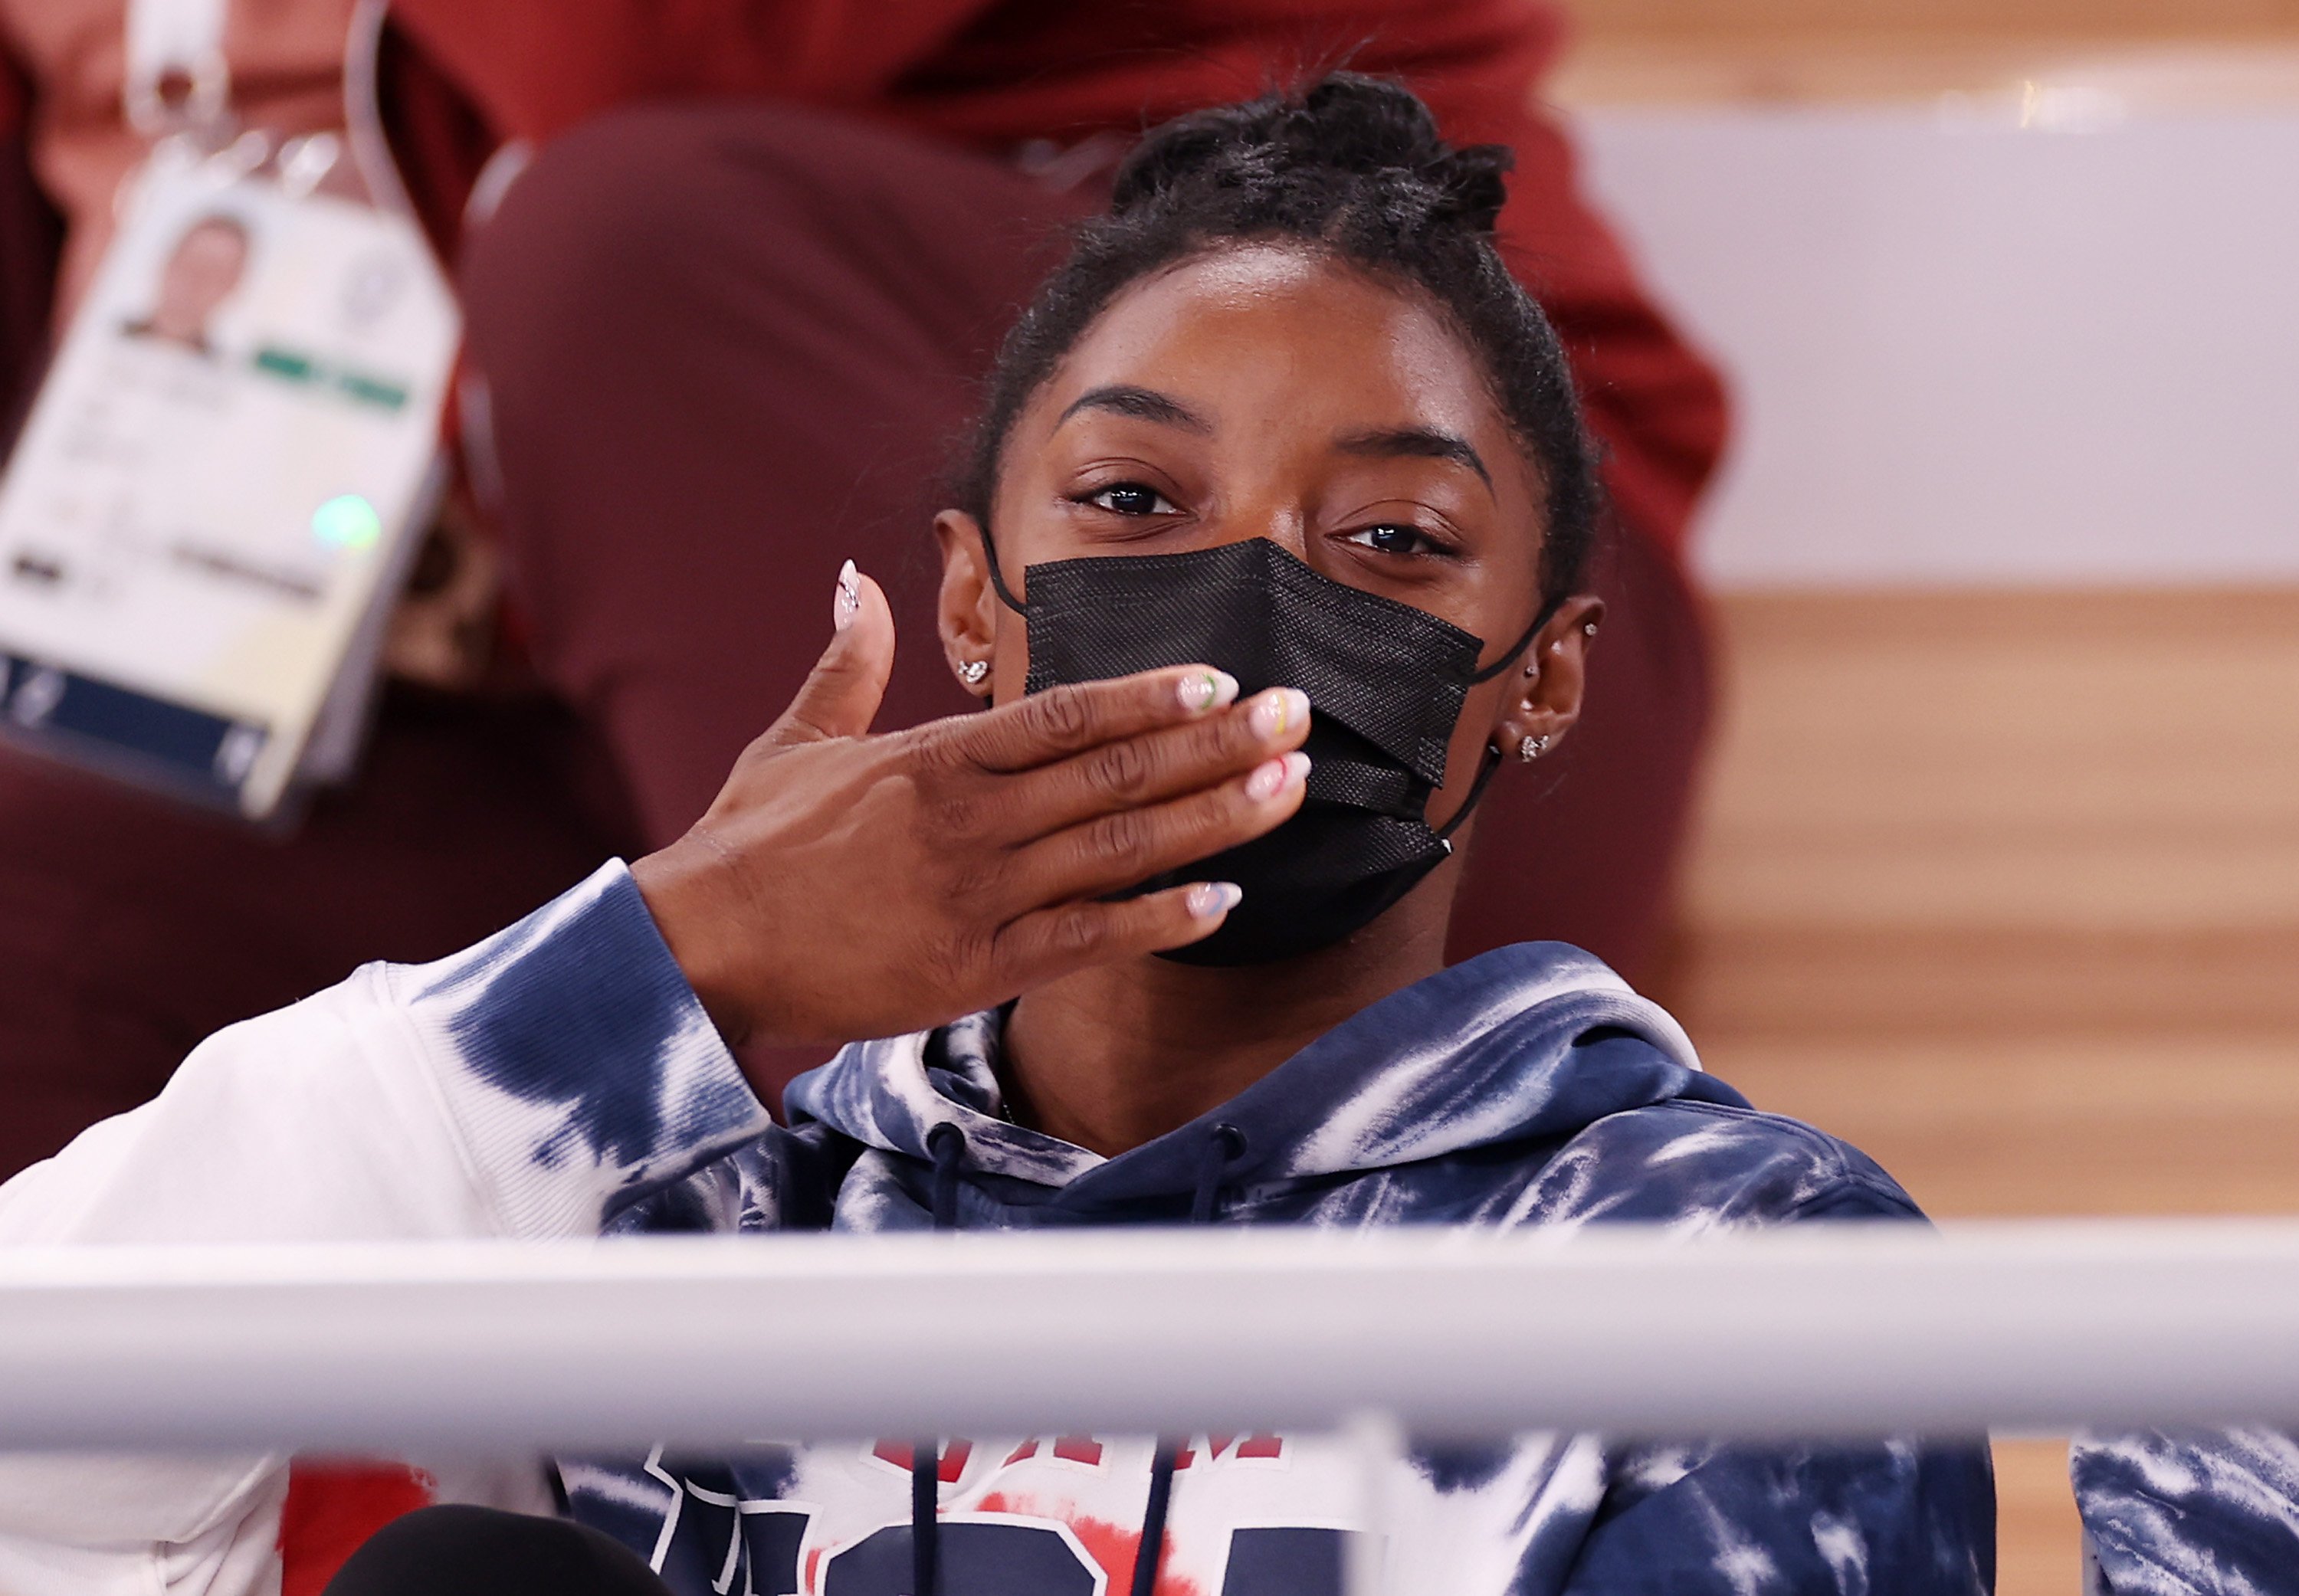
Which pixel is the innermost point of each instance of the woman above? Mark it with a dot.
(738, 303)
(1284, 422)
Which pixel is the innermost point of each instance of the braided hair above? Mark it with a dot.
(1352, 167)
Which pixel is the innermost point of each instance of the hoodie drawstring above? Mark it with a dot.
(1224, 1145)
(946, 1145)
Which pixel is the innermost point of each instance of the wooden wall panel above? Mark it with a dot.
(2003, 888)
(1610, 19)
(1776, 50)
(2015, 872)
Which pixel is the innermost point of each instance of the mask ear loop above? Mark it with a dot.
(1492, 760)
(1509, 656)
(998, 577)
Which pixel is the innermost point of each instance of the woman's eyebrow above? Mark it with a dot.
(1416, 443)
(1143, 404)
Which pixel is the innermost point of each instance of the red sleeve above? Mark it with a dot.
(14, 102)
(330, 1511)
(539, 66)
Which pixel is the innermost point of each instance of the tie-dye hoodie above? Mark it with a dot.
(2207, 1513)
(562, 1079)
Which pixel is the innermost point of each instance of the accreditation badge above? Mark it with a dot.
(212, 503)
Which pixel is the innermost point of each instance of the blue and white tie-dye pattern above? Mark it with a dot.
(562, 1079)
(2213, 1514)
(582, 1051)
(1526, 1086)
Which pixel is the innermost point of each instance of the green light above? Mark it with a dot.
(347, 521)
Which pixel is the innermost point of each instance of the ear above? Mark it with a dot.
(1544, 700)
(968, 619)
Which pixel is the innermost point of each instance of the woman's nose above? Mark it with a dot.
(1283, 522)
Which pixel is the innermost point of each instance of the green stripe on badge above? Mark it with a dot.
(354, 385)
(368, 390)
(280, 362)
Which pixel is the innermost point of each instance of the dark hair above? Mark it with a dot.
(1354, 167)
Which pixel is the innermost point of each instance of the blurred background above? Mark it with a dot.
(1996, 871)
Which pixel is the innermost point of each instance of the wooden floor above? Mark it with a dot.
(2005, 888)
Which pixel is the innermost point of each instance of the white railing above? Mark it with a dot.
(1830, 1330)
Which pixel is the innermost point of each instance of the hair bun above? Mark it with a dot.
(1346, 127)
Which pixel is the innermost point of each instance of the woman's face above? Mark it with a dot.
(1265, 392)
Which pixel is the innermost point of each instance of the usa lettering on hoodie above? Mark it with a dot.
(560, 1080)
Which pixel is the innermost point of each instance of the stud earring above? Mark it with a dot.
(1588, 628)
(1532, 670)
(973, 671)
(1532, 747)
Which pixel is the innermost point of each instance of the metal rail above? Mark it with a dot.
(1830, 1330)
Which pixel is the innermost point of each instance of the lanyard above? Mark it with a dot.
(177, 75)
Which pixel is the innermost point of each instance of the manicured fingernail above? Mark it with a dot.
(1208, 689)
(1209, 899)
(1267, 779)
(1296, 766)
(1278, 709)
(848, 604)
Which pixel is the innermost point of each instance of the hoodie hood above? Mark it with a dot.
(1496, 1049)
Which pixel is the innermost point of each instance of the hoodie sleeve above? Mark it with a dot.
(528, 1087)
(2208, 1514)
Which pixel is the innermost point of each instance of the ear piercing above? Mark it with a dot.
(1556, 646)
(1532, 747)
(973, 671)
(1588, 629)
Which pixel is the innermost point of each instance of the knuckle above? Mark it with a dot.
(1225, 806)
(973, 879)
(1225, 739)
(1076, 935)
(938, 745)
(1214, 820)
(898, 792)
(941, 802)
(1064, 716)
(950, 815)
(1122, 771)
(949, 961)
(1119, 839)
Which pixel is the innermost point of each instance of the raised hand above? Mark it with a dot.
(844, 885)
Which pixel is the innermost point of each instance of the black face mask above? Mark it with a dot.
(1385, 681)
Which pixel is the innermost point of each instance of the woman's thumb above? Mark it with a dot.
(840, 696)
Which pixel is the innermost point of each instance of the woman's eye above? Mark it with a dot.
(1393, 538)
(1130, 498)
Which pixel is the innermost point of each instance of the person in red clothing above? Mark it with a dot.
(724, 325)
